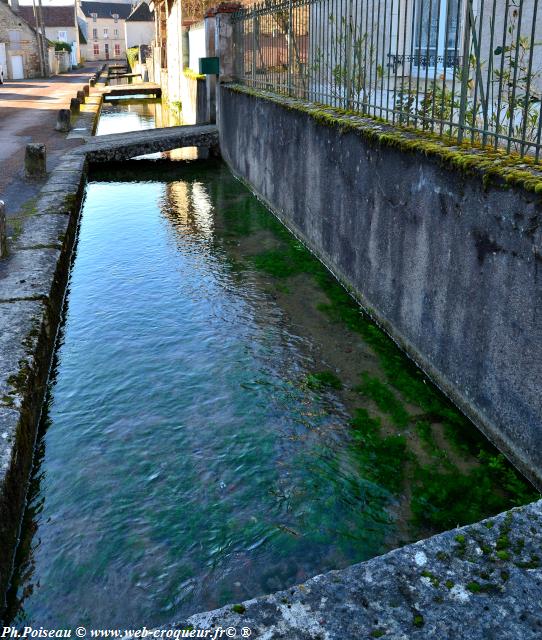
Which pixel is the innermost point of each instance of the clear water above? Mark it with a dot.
(185, 463)
(120, 116)
(188, 455)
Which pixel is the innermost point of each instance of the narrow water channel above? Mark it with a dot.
(119, 115)
(223, 421)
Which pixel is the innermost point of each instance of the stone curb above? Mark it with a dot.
(478, 582)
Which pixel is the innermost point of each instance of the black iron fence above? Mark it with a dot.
(470, 69)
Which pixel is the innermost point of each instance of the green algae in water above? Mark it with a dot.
(187, 463)
(201, 450)
(443, 495)
(323, 379)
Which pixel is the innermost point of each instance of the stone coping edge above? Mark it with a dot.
(476, 582)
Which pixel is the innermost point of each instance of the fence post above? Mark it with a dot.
(3, 238)
(253, 46)
(349, 61)
(210, 80)
(290, 43)
(224, 39)
(465, 70)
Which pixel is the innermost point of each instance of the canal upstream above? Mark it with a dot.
(222, 420)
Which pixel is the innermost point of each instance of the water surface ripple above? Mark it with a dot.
(184, 463)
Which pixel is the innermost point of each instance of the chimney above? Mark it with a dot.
(14, 4)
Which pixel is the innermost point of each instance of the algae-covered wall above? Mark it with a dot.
(441, 247)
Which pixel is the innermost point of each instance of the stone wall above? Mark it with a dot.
(20, 40)
(447, 262)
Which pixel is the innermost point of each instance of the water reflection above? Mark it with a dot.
(187, 464)
(192, 458)
(126, 114)
(136, 114)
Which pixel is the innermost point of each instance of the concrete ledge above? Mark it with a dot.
(441, 245)
(33, 280)
(475, 583)
(123, 146)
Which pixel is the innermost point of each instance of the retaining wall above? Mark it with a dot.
(437, 244)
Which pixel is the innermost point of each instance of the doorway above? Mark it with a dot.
(17, 67)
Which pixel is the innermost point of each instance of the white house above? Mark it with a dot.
(139, 26)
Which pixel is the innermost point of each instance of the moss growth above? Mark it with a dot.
(192, 75)
(8, 400)
(474, 587)
(449, 584)
(323, 379)
(418, 620)
(19, 380)
(16, 223)
(425, 433)
(533, 563)
(443, 495)
(239, 608)
(286, 262)
(495, 167)
(384, 398)
(382, 458)
(377, 633)
(432, 577)
(444, 499)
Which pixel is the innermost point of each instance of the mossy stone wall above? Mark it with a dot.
(442, 245)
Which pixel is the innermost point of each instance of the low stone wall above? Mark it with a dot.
(32, 285)
(33, 281)
(442, 246)
(480, 582)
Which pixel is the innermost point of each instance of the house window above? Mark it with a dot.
(94, 17)
(95, 34)
(116, 33)
(96, 49)
(106, 32)
(14, 36)
(117, 51)
(437, 33)
(116, 17)
(63, 36)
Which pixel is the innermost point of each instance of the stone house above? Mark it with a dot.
(105, 27)
(59, 22)
(20, 53)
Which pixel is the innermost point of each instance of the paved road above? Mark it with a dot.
(28, 110)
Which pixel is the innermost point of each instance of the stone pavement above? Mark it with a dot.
(28, 111)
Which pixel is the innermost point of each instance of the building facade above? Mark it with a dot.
(60, 25)
(139, 26)
(105, 27)
(20, 53)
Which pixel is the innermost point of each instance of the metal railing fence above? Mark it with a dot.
(470, 69)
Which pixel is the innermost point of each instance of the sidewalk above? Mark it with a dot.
(28, 112)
